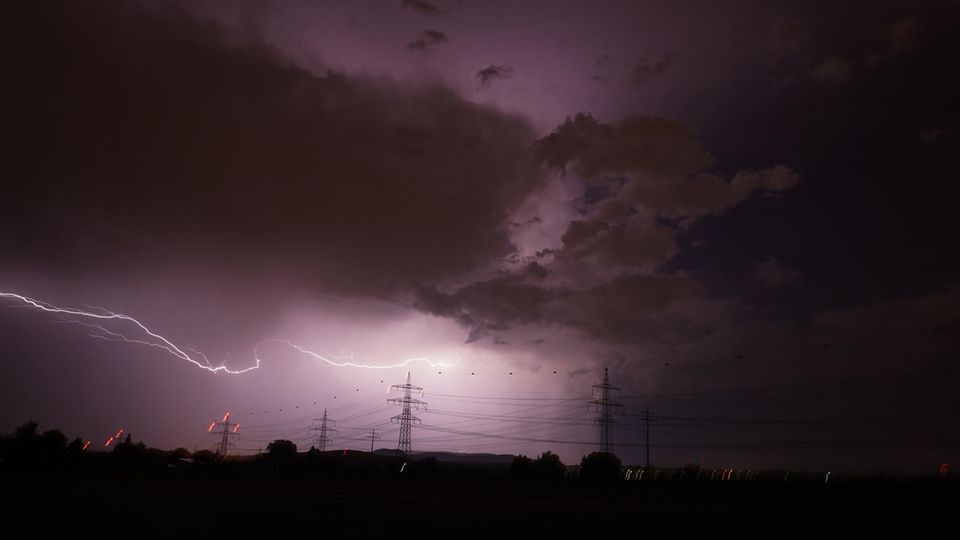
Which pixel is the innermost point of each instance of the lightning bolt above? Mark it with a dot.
(89, 318)
(95, 318)
(334, 363)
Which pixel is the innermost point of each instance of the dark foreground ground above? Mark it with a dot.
(192, 506)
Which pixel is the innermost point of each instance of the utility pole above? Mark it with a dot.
(373, 437)
(229, 429)
(325, 432)
(606, 407)
(406, 418)
(647, 420)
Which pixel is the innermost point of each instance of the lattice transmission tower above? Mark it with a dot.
(406, 417)
(229, 429)
(606, 407)
(325, 431)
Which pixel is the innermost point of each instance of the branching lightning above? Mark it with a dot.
(87, 318)
(334, 363)
(95, 317)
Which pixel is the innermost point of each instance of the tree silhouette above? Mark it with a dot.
(24, 448)
(128, 451)
(549, 468)
(281, 450)
(521, 468)
(75, 449)
(53, 445)
(600, 467)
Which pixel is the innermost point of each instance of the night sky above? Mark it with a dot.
(745, 210)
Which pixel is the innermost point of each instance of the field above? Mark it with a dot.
(193, 503)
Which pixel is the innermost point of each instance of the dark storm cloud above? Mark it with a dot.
(772, 274)
(896, 333)
(833, 45)
(591, 148)
(597, 243)
(427, 40)
(606, 279)
(423, 6)
(636, 74)
(645, 71)
(146, 140)
(629, 309)
(903, 334)
(663, 162)
(492, 305)
(492, 73)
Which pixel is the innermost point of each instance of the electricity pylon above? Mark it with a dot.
(229, 429)
(324, 432)
(606, 407)
(406, 418)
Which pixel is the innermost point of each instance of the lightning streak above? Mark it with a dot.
(335, 363)
(96, 316)
(156, 340)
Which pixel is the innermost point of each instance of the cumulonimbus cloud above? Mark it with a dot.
(148, 139)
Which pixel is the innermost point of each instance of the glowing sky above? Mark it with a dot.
(743, 210)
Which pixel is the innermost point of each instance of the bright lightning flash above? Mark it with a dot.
(334, 363)
(95, 319)
(152, 339)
